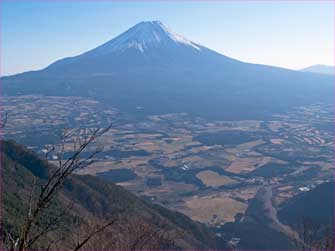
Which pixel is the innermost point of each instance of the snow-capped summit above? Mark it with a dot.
(144, 35)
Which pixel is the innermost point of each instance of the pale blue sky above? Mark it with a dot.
(281, 33)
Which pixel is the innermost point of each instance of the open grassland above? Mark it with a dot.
(215, 210)
(213, 179)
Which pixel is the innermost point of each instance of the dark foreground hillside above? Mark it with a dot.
(311, 215)
(316, 205)
(86, 202)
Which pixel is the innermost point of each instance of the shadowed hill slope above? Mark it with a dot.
(316, 205)
(92, 200)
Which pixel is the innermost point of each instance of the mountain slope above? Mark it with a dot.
(152, 67)
(322, 69)
(93, 201)
(259, 229)
(316, 205)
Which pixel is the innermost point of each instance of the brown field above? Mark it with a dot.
(203, 209)
(148, 146)
(196, 161)
(250, 144)
(285, 188)
(245, 193)
(277, 141)
(213, 179)
(245, 165)
(275, 125)
(282, 197)
(168, 188)
(134, 163)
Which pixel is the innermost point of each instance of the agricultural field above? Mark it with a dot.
(209, 170)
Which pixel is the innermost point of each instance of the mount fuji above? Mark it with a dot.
(152, 67)
(147, 45)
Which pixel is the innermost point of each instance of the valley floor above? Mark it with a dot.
(209, 170)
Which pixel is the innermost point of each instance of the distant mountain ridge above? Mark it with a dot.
(319, 68)
(152, 67)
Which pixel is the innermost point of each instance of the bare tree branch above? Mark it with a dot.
(3, 120)
(314, 236)
(31, 199)
(54, 183)
(12, 240)
(50, 226)
(82, 243)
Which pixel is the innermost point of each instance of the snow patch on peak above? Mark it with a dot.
(143, 35)
(178, 38)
